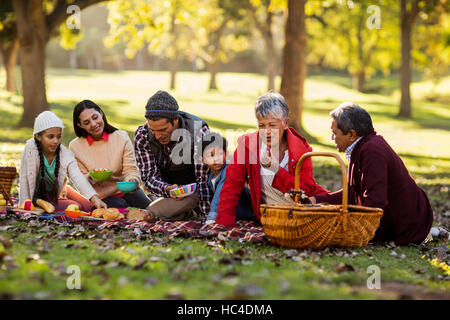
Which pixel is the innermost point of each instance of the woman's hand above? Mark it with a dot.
(95, 200)
(268, 162)
(135, 180)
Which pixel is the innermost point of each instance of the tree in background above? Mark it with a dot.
(9, 43)
(294, 61)
(352, 38)
(220, 31)
(409, 11)
(37, 21)
(431, 49)
(158, 25)
(262, 12)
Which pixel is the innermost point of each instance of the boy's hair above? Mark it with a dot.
(213, 139)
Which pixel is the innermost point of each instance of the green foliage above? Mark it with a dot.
(7, 22)
(432, 43)
(342, 37)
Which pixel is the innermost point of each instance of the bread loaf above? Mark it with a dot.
(47, 206)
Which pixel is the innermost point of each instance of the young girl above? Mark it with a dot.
(45, 166)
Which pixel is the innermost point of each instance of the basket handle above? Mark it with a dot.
(343, 169)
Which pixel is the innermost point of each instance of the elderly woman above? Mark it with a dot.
(100, 145)
(266, 160)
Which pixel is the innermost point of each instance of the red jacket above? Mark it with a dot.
(245, 167)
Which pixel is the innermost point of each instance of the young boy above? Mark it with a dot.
(214, 155)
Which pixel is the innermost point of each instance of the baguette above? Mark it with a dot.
(47, 206)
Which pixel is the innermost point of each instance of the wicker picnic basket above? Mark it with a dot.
(7, 176)
(317, 226)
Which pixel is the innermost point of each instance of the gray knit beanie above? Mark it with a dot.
(162, 105)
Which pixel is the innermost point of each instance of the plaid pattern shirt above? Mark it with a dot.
(151, 175)
(349, 150)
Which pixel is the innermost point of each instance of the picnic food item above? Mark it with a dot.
(102, 174)
(136, 214)
(2, 202)
(317, 226)
(27, 205)
(47, 206)
(98, 213)
(76, 214)
(184, 191)
(72, 207)
(112, 213)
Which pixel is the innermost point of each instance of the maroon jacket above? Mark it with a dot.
(378, 178)
(246, 168)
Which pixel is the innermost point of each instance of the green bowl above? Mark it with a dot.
(101, 175)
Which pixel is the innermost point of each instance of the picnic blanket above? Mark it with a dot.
(244, 231)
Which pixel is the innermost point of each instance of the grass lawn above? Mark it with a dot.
(124, 266)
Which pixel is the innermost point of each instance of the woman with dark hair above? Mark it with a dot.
(100, 145)
(45, 166)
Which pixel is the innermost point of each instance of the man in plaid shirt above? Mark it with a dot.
(166, 154)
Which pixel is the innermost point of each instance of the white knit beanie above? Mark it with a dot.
(45, 120)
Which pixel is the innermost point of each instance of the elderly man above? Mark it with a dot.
(166, 156)
(378, 178)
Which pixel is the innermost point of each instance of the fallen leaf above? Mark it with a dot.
(155, 259)
(131, 251)
(5, 241)
(442, 252)
(247, 291)
(179, 258)
(123, 281)
(150, 282)
(175, 295)
(140, 263)
(290, 253)
(34, 256)
(344, 268)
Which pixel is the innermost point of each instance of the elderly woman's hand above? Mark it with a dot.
(269, 162)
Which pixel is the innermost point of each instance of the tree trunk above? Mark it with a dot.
(271, 65)
(213, 68)
(173, 56)
(270, 53)
(405, 68)
(266, 32)
(173, 71)
(9, 54)
(359, 79)
(33, 36)
(98, 60)
(360, 76)
(73, 59)
(294, 61)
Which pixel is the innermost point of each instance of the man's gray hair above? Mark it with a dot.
(351, 116)
(272, 104)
